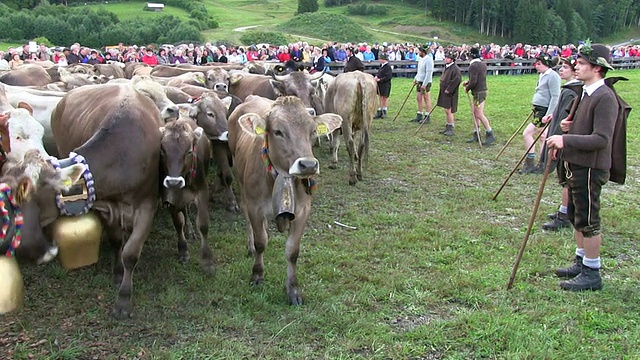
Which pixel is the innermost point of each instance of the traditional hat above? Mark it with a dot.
(596, 54)
(423, 48)
(547, 59)
(382, 56)
(475, 53)
(571, 61)
(451, 55)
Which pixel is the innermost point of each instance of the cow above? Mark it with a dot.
(218, 79)
(26, 75)
(353, 96)
(185, 155)
(272, 140)
(155, 92)
(5, 139)
(24, 131)
(110, 71)
(113, 128)
(132, 69)
(23, 180)
(299, 84)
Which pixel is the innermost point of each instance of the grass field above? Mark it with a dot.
(422, 276)
(134, 11)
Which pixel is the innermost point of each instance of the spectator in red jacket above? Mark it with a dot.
(150, 58)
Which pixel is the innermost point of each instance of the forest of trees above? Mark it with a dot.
(533, 21)
(539, 21)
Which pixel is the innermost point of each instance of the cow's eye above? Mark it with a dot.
(278, 133)
(210, 114)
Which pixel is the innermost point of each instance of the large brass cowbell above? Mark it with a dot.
(11, 285)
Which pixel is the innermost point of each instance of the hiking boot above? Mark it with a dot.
(378, 114)
(489, 139)
(588, 279)
(448, 131)
(559, 221)
(384, 114)
(426, 119)
(553, 216)
(473, 139)
(538, 169)
(571, 271)
(528, 167)
(418, 118)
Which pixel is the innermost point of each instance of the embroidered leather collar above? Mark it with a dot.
(12, 220)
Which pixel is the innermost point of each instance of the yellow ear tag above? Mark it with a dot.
(22, 193)
(67, 182)
(322, 129)
(259, 130)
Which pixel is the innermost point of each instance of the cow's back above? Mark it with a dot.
(116, 129)
(353, 96)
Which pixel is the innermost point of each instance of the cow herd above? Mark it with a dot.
(139, 139)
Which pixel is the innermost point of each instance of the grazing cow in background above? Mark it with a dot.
(185, 155)
(270, 139)
(114, 129)
(353, 96)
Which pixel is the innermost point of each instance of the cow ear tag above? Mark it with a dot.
(322, 129)
(23, 191)
(259, 130)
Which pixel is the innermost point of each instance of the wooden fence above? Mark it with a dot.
(406, 68)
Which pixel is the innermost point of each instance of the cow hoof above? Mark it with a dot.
(208, 267)
(184, 258)
(352, 181)
(359, 176)
(257, 281)
(295, 298)
(333, 166)
(121, 313)
(233, 208)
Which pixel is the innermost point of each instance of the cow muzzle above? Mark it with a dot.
(172, 182)
(223, 137)
(221, 87)
(170, 113)
(305, 167)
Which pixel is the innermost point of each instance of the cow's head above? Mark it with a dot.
(210, 113)
(299, 84)
(35, 184)
(154, 91)
(178, 153)
(5, 141)
(288, 131)
(218, 79)
(25, 133)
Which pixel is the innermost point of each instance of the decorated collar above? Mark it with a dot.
(12, 219)
(79, 199)
(310, 184)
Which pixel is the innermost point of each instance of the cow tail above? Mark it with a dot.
(366, 117)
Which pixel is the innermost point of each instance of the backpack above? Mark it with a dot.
(618, 171)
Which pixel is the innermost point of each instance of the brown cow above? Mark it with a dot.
(115, 129)
(185, 156)
(353, 96)
(283, 131)
(299, 84)
(26, 75)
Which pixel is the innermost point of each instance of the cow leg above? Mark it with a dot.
(116, 239)
(363, 148)
(292, 251)
(142, 220)
(222, 158)
(259, 231)
(177, 216)
(335, 144)
(202, 222)
(353, 157)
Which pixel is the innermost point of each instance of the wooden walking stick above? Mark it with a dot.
(547, 169)
(404, 102)
(475, 123)
(425, 120)
(514, 134)
(521, 160)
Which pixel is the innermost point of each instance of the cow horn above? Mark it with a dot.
(279, 77)
(315, 76)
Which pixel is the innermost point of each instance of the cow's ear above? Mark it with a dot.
(327, 123)
(235, 76)
(198, 132)
(226, 101)
(24, 105)
(253, 124)
(278, 86)
(68, 176)
(185, 109)
(199, 79)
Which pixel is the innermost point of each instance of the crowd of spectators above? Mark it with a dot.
(320, 56)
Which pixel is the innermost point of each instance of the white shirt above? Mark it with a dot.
(591, 88)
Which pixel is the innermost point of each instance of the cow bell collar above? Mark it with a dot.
(194, 162)
(310, 184)
(81, 196)
(12, 221)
